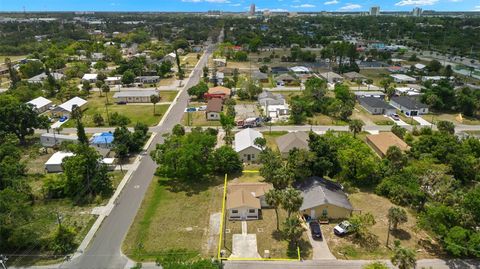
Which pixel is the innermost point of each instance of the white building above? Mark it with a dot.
(40, 104)
(113, 80)
(401, 78)
(67, 107)
(134, 96)
(245, 145)
(375, 11)
(171, 57)
(54, 164)
(300, 70)
(92, 78)
(53, 139)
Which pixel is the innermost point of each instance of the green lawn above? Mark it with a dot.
(12, 57)
(174, 216)
(198, 119)
(136, 113)
(168, 96)
(271, 138)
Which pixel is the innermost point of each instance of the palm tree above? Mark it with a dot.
(292, 230)
(274, 198)
(292, 200)
(106, 90)
(154, 99)
(396, 215)
(355, 126)
(402, 257)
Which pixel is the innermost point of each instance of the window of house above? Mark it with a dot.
(234, 211)
(251, 211)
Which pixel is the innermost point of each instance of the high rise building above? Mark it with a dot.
(375, 11)
(417, 12)
(252, 9)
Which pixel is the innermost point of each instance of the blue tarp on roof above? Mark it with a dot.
(103, 138)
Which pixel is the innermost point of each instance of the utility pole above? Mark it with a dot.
(59, 219)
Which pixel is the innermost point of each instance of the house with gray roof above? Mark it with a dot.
(43, 76)
(323, 198)
(259, 76)
(147, 79)
(377, 106)
(293, 140)
(409, 105)
(270, 98)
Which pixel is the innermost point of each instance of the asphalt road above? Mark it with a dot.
(105, 249)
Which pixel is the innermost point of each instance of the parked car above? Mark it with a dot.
(343, 228)
(202, 108)
(190, 109)
(395, 117)
(315, 230)
(62, 119)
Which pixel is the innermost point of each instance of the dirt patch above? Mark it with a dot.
(409, 234)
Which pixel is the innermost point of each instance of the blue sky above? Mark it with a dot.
(235, 5)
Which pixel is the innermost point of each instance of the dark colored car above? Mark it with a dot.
(315, 230)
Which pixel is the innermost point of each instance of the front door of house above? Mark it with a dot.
(312, 213)
(248, 157)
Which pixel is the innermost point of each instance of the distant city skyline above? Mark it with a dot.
(238, 5)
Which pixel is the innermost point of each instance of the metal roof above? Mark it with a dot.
(135, 93)
(246, 138)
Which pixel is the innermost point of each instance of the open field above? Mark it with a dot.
(12, 58)
(190, 59)
(197, 118)
(174, 216)
(375, 74)
(136, 113)
(453, 117)
(409, 234)
(320, 119)
(168, 82)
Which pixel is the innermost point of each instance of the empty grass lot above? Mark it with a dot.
(408, 233)
(271, 138)
(198, 119)
(453, 117)
(174, 216)
(136, 113)
(375, 74)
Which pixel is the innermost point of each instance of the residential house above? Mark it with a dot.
(40, 104)
(383, 141)
(278, 70)
(395, 69)
(274, 105)
(300, 70)
(220, 62)
(292, 140)
(361, 94)
(434, 78)
(218, 92)
(217, 78)
(245, 145)
(245, 200)
(91, 78)
(331, 77)
(354, 76)
(401, 78)
(147, 79)
(214, 109)
(420, 66)
(133, 96)
(113, 80)
(259, 76)
(54, 163)
(377, 106)
(97, 56)
(43, 76)
(102, 140)
(52, 139)
(323, 198)
(284, 79)
(171, 57)
(407, 91)
(66, 108)
(409, 105)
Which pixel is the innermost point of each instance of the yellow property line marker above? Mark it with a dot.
(221, 232)
(250, 171)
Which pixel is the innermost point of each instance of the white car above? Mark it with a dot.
(342, 228)
(202, 108)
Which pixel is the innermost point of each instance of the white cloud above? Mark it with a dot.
(333, 2)
(235, 5)
(476, 8)
(304, 6)
(416, 2)
(207, 1)
(350, 7)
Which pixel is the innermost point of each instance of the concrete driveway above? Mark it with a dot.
(422, 121)
(399, 122)
(319, 247)
(244, 245)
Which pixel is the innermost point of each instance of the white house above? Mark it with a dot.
(300, 69)
(220, 62)
(53, 139)
(134, 96)
(171, 57)
(420, 66)
(40, 104)
(113, 80)
(245, 200)
(92, 78)
(54, 164)
(401, 78)
(245, 144)
(41, 77)
(67, 107)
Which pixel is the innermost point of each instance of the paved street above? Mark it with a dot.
(105, 249)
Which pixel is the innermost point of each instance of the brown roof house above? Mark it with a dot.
(218, 92)
(214, 108)
(298, 140)
(384, 140)
(245, 200)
